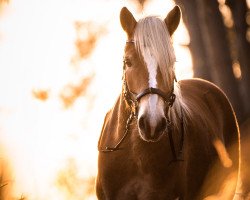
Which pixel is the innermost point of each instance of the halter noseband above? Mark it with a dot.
(167, 97)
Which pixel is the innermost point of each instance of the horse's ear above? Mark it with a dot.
(128, 22)
(173, 19)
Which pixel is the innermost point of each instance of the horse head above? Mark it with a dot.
(149, 70)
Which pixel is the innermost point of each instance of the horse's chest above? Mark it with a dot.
(145, 188)
(126, 178)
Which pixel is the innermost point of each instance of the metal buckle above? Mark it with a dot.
(171, 100)
(134, 107)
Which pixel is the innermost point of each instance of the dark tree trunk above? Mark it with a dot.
(209, 42)
(218, 53)
(190, 18)
(239, 11)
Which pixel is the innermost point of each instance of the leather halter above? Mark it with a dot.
(133, 99)
(157, 91)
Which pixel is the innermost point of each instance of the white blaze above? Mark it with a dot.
(152, 110)
(152, 69)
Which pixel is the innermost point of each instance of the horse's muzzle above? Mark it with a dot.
(151, 132)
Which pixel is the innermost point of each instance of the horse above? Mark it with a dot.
(164, 139)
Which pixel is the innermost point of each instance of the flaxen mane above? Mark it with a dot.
(152, 38)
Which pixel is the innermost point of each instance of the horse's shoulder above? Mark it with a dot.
(198, 82)
(107, 123)
(107, 116)
(203, 87)
(206, 98)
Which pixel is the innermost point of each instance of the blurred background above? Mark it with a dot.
(61, 69)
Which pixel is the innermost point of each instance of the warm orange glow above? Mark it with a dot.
(226, 190)
(222, 153)
(248, 35)
(227, 15)
(70, 92)
(248, 3)
(42, 95)
(44, 57)
(237, 70)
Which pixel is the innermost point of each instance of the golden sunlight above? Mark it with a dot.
(60, 72)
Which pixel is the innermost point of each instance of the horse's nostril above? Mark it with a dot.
(161, 126)
(151, 133)
(144, 124)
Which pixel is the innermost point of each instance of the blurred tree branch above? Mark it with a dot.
(87, 35)
(72, 92)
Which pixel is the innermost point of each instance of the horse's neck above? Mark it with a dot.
(121, 114)
(114, 124)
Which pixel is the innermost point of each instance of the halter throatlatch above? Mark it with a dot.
(133, 99)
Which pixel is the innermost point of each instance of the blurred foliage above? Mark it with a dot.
(23, 198)
(40, 94)
(5, 179)
(71, 92)
(139, 3)
(2, 2)
(87, 35)
(72, 184)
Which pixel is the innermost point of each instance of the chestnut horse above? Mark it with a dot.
(164, 139)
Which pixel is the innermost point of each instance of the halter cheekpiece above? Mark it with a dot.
(133, 99)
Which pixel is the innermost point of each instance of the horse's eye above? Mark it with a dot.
(128, 63)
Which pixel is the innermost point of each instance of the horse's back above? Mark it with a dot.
(207, 97)
(216, 128)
